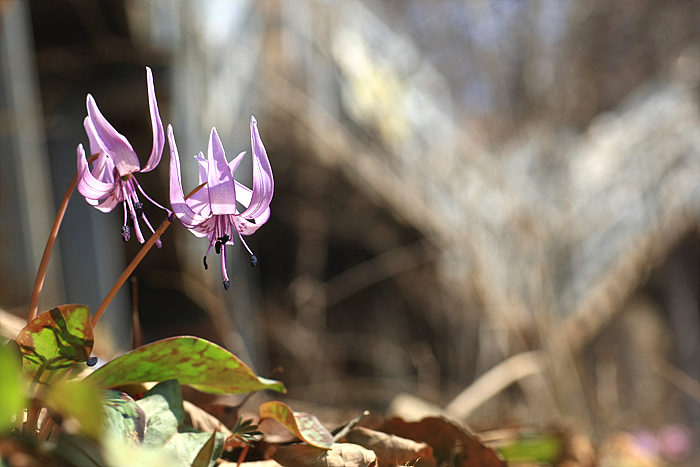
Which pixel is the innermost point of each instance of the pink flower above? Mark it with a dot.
(211, 211)
(112, 180)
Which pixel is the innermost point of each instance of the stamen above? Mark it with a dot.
(138, 207)
(217, 247)
(205, 264)
(159, 244)
(92, 361)
(227, 285)
(253, 260)
(126, 233)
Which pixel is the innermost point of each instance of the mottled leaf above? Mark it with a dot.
(304, 425)
(12, 397)
(164, 412)
(339, 455)
(191, 360)
(55, 341)
(79, 400)
(123, 419)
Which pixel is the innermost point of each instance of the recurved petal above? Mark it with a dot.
(112, 142)
(103, 167)
(263, 183)
(88, 186)
(156, 124)
(182, 210)
(222, 188)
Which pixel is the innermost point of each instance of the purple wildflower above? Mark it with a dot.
(211, 211)
(112, 180)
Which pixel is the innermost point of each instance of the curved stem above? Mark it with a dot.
(44, 264)
(127, 272)
(134, 262)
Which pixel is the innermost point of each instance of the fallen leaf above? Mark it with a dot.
(199, 419)
(392, 450)
(451, 443)
(304, 425)
(339, 455)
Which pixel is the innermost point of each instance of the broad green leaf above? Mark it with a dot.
(55, 341)
(188, 446)
(304, 425)
(123, 419)
(164, 412)
(79, 400)
(191, 360)
(12, 397)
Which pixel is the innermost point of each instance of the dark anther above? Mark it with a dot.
(171, 216)
(138, 207)
(206, 266)
(126, 233)
(227, 285)
(92, 361)
(217, 247)
(253, 260)
(159, 244)
(224, 239)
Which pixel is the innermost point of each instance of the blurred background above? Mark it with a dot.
(488, 208)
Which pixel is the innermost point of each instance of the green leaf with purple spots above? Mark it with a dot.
(304, 425)
(191, 360)
(55, 341)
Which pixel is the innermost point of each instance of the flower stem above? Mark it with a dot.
(134, 262)
(44, 264)
(127, 272)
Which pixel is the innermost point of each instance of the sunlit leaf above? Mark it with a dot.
(123, 419)
(55, 341)
(79, 400)
(191, 360)
(304, 425)
(12, 397)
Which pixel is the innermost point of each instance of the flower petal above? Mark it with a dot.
(156, 124)
(245, 227)
(222, 188)
(203, 167)
(88, 186)
(111, 142)
(182, 210)
(263, 183)
(103, 167)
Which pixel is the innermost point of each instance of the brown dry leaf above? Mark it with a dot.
(392, 450)
(451, 443)
(201, 420)
(339, 455)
